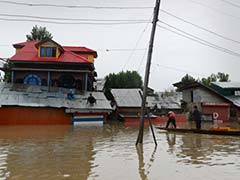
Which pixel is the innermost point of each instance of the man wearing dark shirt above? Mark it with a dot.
(91, 100)
(197, 117)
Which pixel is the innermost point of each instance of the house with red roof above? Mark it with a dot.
(41, 75)
(47, 63)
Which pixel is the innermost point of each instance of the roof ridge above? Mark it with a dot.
(77, 55)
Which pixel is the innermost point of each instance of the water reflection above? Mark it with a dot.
(207, 149)
(141, 167)
(171, 140)
(49, 152)
(109, 152)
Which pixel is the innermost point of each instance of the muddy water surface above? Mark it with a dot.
(109, 153)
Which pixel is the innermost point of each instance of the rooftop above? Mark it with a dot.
(39, 96)
(129, 97)
(228, 85)
(29, 52)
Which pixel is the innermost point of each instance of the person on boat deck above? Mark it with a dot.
(171, 119)
(197, 117)
(91, 100)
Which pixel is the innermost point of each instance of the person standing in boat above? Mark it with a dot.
(171, 119)
(197, 117)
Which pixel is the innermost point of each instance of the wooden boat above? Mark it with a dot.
(217, 131)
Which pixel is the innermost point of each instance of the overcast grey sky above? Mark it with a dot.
(173, 54)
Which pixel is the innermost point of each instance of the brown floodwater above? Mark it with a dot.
(109, 153)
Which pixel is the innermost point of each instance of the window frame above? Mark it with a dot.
(48, 51)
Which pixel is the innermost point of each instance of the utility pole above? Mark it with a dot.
(147, 71)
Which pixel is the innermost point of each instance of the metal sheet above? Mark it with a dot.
(38, 96)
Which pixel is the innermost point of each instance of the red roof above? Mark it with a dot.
(29, 52)
(79, 49)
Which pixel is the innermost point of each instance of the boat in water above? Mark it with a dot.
(216, 131)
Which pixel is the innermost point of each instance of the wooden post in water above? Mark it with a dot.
(147, 71)
(149, 121)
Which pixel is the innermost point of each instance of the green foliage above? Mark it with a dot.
(128, 79)
(39, 33)
(221, 77)
(208, 80)
(188, 79)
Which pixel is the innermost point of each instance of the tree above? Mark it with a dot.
(221, 77)
(188, 79)
(38, 33)
(207, 81)
(128, 79)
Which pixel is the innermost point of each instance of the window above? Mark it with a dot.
(48, 52)
(191, 96)
(42, 52)
(32, 79)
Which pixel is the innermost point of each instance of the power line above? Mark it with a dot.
(135, 47)
(108, 50)
(140, 64)
(177, 69)
(200, 27)
(231, 3)
(215, 10)
(201, 41)
(73, 19)
(73, 23)
(72, 6)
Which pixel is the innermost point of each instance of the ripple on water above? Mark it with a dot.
(110, 153)
(4, 173)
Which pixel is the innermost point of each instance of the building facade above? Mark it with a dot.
(212, 104)
(47, 63)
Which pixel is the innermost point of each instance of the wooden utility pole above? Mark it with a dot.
(147, 71)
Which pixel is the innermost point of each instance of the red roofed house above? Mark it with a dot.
(36, 70)
(47, 63)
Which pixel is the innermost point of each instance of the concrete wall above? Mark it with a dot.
(203, 95)
(79, 78)
(200, 95)
(33, 116)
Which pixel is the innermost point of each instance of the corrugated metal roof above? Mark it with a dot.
(229, 85)
(130, 97)
(127, 97)
(170, 102)
(29, 52)
(234, 99)
(38, 96)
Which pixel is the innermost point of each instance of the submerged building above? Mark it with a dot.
(220, 101)
(47, 63)
(40, 76)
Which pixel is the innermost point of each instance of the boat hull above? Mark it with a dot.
(202, 131)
